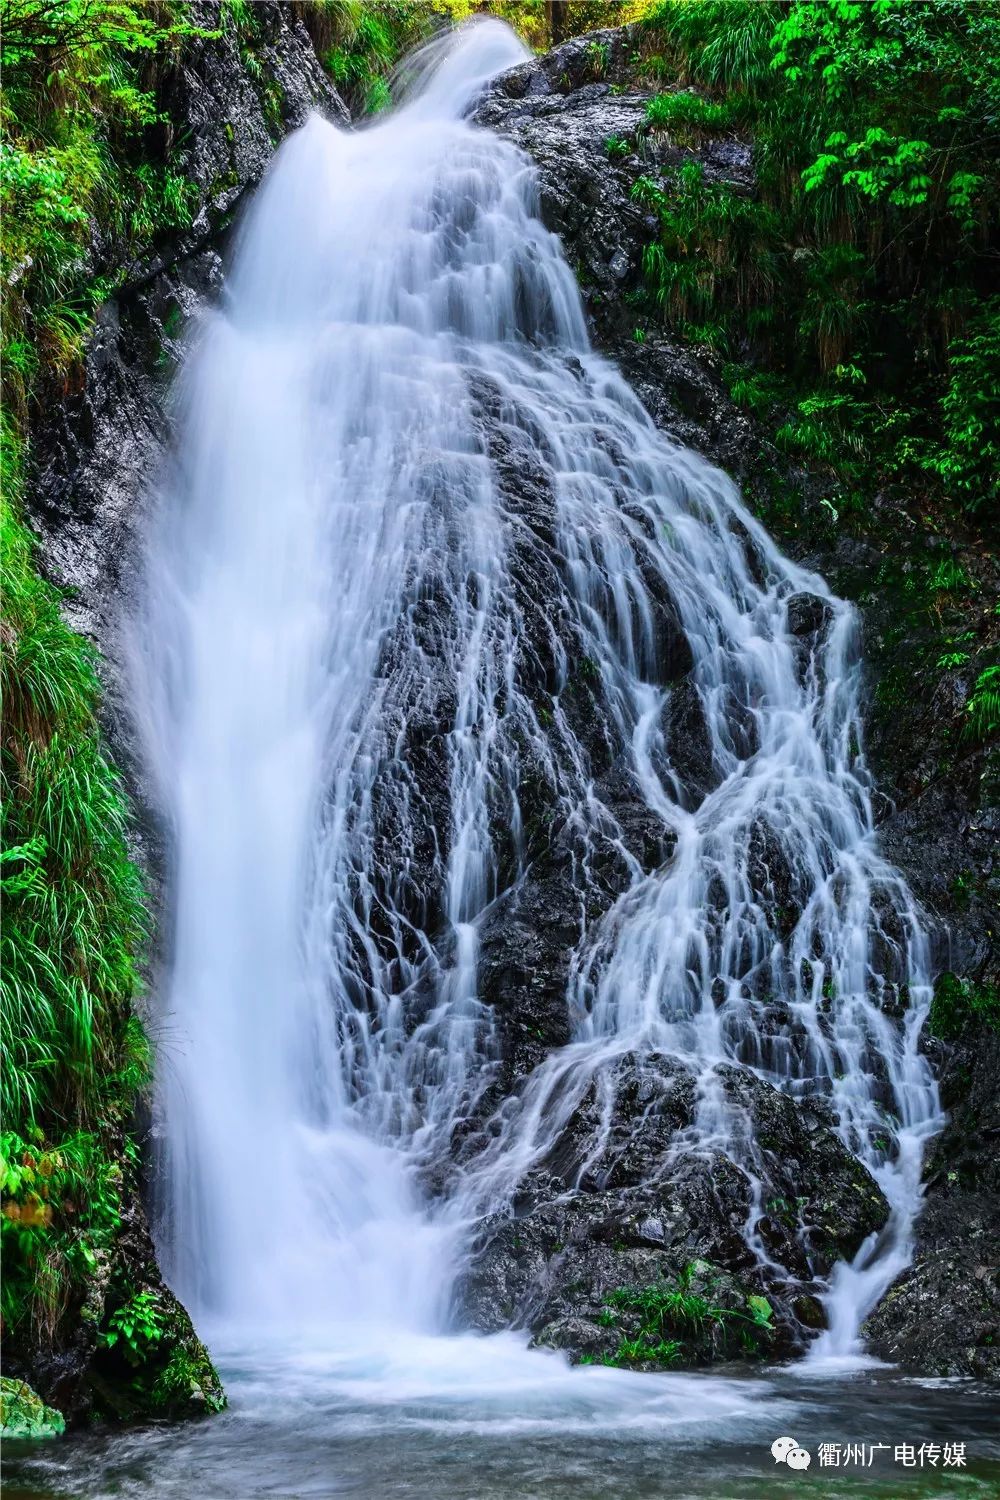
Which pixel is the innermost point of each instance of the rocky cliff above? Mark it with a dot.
(553, 1267)
(938, 814)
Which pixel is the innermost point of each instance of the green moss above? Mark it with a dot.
(959, 1004)
(23, 1414)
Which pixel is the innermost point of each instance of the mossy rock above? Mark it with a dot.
(152, 1364)
(23, 1413)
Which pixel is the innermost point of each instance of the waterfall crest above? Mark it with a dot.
(353, 694)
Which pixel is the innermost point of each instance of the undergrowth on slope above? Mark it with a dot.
(860, 271)
(846, 287)
(78, 115)
(76, 163)
(74, 1055)
(72, 897)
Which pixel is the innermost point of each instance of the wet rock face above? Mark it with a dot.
(938, 803)
(565, 135)
(938, 821)
(936, 812)
(227, 119)
(622, 1204)
(543, 899)
(942, 1316)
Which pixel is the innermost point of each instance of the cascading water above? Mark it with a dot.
(346, 697)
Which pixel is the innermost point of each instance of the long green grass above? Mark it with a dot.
(72, 1052)
(73, 914)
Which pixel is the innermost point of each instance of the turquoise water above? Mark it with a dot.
(297, 1433)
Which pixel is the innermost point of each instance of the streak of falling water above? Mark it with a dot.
(336, 690)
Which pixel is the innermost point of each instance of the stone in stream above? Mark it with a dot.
(23, 1413)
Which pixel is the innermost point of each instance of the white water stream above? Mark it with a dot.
(331, 563)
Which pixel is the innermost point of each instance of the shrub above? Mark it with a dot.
(870, 240)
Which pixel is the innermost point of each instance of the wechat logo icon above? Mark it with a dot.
(786, 1450)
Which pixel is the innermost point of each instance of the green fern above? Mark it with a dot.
(982, 711)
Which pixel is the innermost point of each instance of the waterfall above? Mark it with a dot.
(348, 682)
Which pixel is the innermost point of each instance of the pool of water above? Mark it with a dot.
(482, 1419)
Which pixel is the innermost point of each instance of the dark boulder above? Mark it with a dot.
(942, 1316)
(627, 1199)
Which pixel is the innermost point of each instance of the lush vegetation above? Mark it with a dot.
(80, 122)
(854, 287)
(74, 1054)
(848, 286)
(82, 188)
